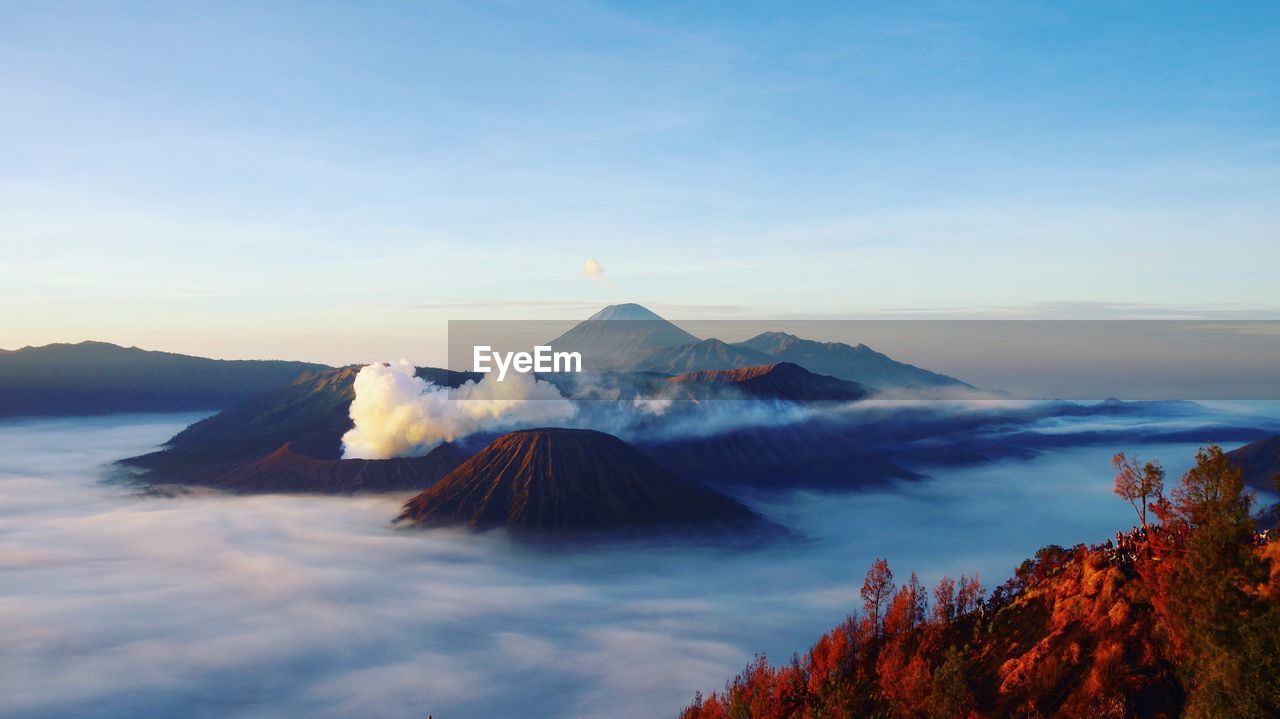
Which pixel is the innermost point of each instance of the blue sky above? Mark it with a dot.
(334, 181)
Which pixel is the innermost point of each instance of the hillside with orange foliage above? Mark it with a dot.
(1180, 617)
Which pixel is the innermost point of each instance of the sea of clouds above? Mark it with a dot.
(120, 604)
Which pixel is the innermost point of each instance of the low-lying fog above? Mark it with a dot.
(114, 604)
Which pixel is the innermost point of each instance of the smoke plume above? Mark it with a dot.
(397, 414)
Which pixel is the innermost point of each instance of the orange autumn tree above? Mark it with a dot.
(876, 590)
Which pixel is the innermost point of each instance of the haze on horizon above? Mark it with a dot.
(333, 183)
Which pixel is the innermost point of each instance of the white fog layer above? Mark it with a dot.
(118, 604)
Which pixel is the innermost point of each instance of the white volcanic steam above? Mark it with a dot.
(399, 415)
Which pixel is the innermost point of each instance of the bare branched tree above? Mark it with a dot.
(1139, 484)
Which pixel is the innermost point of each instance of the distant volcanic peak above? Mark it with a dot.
(626, 311)
(620, 336)
(564, 481)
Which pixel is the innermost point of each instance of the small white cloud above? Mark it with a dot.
(592, 268)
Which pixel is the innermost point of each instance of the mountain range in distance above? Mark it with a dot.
(310, 415)
(631, 338)
(287, 438)
(95, 378)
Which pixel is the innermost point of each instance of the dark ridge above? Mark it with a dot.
(94, 378)
(708, 354)
(1260, 463)
(853, 363)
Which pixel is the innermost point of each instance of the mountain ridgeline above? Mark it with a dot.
(289, 439)
(618, 334)
(1260, 463)
(631, 338)
(94, 378)
(781, 381)
(857, 363)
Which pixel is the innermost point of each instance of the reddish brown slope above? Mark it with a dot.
(1182, 619)
(286, 471)
(783, 380)
(1079, 639)
(571, 480)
